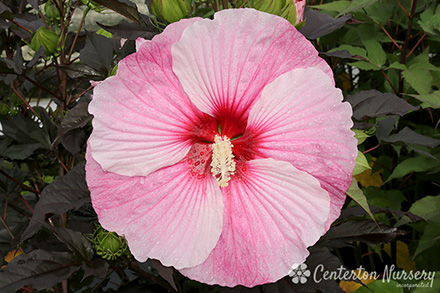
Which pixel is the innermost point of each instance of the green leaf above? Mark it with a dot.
(397, 65)
(428, 208)
(352, 49)
(383, 286)
(360, 135)
(382, 198)
(46, 39)
(335, 6)
(433, 99)
(364, 65)
(417, 164)
(430, 21)
(358, 196)
(376, 54)
(356, 5)
(361, 164)
(433, 284)
(39, 269)
(429, 238)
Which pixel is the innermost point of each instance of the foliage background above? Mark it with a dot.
(385, 57)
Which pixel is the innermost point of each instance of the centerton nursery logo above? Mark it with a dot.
(300, 275)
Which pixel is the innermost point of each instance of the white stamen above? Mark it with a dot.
(222, 164)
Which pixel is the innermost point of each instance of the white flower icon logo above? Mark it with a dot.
(299, 273)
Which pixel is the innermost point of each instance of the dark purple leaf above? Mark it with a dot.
(39, 269)
(319, 261)
(98, 52)
(34, 4)
(372, 104)
(97, 268)
(124, 8)
(5, 12)
(365, 231)
(75, 241)
(409, 136)
(359, 212)
(4, 24)
(81, 71)
(339, 53)
(77, 117)
(27, 131)
(165, 272)
(320, 24)
(13, 151)
(30, 21)
(74, 141)
(63, 194)
(8, 66)
(385, 127)
(131, 30)
(37, 56)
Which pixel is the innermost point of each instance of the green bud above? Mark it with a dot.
(171, 10)
(47, 39)
(109, 245)
(51, 12)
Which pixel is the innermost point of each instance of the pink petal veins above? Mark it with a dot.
(300, 118)
(225, 63)
(142, 115)
(170, 215)
(273, 212)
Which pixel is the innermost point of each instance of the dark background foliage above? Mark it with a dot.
(385, 57)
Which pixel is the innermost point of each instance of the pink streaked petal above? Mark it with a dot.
(300, 118)
(169, 215)
(139, 42)
(225, 63)
(142, 115)
(273, 212)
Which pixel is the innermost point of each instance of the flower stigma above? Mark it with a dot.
(223, 163)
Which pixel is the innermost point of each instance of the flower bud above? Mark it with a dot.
(293, 11)
(51, 12)
(46, 38)
(171, 10)
(107, 244)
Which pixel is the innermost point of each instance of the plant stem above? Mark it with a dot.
(83, 19)
(405, 44)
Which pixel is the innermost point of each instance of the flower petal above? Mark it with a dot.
(141, 115)
(169, 215)
(300, 119)
(273, 212)
(223, 64)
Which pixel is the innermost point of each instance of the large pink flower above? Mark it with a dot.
(221, 148)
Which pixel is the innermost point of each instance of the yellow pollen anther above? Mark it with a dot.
(222, 164)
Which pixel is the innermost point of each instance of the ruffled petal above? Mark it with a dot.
(223, 64)
(273, 212)
(141, 115)
(300, 118)
(170, 215)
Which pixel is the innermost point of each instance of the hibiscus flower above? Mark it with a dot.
(221, 148)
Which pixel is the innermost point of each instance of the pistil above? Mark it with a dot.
(223, 163)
